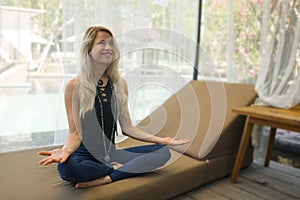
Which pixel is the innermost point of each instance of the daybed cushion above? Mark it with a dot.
(22, 178)
(202, 111)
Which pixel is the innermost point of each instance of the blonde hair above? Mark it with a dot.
(86, 74)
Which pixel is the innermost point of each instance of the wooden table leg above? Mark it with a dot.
(242, 149)
(270, 146)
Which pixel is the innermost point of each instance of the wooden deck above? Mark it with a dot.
(256, 182)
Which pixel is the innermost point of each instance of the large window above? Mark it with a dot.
(231, 37)
(39, 43)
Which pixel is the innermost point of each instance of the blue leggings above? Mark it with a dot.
(136, 161)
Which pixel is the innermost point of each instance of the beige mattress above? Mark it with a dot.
(22, 178)
(200, 110)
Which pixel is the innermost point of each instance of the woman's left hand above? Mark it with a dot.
(174, 141)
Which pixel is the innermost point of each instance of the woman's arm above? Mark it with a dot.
(129, 130)
(72, 109)
(73, 139)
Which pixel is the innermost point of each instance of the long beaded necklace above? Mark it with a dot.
(113, 100)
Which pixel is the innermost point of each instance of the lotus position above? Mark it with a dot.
(95, 101)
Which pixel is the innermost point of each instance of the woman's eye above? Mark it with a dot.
(102, 43)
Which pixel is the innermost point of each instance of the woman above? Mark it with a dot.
(94, 102)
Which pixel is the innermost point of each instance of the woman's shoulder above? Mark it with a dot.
(122, 81)
(123, 85)
(72, 84)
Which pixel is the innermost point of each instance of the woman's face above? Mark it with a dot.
(102, 50)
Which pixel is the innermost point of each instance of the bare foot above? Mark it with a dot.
(116, 165)
(96, 182)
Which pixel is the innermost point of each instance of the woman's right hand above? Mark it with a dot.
(54, 156)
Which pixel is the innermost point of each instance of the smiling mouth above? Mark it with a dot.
(106, 53)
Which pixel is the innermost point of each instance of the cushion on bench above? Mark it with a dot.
(22, 178)
(202, 111)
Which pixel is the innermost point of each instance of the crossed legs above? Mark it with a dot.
(127, 163)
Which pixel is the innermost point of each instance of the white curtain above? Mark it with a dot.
(278, 82)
